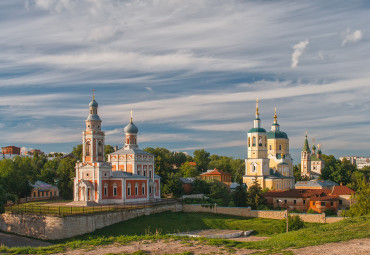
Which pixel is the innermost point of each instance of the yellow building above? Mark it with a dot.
(268, 158)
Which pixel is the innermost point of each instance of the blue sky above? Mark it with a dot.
(190, 71)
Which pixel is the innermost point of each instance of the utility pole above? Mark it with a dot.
(287, 221)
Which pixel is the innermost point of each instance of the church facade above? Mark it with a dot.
(311, 162)
(268, 160)
(122, 178)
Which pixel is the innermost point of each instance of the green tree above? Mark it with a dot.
(173, 186)
(294, 223)
(220, 193)
(3, 197)
(108, 149)
(240, 196)
(77, 151)
(361, 205)
(65, 173)
(201, 157)
(48, 173)
(15, 179)
(188, 170)
(255, 197)
(200, 187)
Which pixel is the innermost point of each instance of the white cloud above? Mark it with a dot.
(298, 51)
(350, 37)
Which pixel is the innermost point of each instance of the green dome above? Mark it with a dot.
(255, 130)
(277, 135)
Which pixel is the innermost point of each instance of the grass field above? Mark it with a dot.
(155, 227)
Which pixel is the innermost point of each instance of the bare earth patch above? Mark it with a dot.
(352, 247)
(162, 247)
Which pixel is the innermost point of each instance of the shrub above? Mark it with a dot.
(330, 213)
(312, 211)
(294, 223)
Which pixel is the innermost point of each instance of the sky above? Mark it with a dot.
(190, 71)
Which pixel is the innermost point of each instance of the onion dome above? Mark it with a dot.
(131, 128)
(275, 132)
(93, 103)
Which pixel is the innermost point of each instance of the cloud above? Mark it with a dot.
(349, 37)
(149, 89)
(298, 51)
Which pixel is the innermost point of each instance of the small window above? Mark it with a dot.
(295, 201)
(285, 201)
(129, 189)
(105, 191)
(304, 202)
(270, 147)
(150, 189)
(254, 141)
(136, 189)
(340, 202)
(115, 191)
(279, 147)
(143, 189)
(323, 203)
(331, 203)
(260, 141)
(313, 203)
(277, 200)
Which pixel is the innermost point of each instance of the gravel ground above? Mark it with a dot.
(352, 247)
(20, 241)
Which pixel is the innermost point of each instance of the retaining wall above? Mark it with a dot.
(51, 227)
(247, 212)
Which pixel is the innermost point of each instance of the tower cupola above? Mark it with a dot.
(131, 134)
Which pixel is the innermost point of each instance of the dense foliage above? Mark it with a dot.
(17, 174)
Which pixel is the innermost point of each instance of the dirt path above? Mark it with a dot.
(352, 247)
(19, 241)
(161, 247)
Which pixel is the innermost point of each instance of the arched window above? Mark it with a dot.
(87, 148)
(260, 141)
(270, 147)
(254, 168)
(249, 142)
(136, 189)
(100, 148)
(150, 174)
(280, 147)
(254, 141)
(143, 189)
(127, 140)
(114, 189)
(105, 190)
(150, 188)
(129, 189)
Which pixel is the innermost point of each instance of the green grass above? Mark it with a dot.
(169, 222)
(135, 230)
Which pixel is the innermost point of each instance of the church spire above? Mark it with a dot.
(257, 112)
(275, 126)
(306, 147)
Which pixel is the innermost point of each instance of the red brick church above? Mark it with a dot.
(127, 176)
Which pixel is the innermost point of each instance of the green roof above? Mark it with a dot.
(315, 158)
(306, 147)
(277, 134)
(255, 130)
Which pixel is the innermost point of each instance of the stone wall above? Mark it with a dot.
(50, 227)
(247, 212)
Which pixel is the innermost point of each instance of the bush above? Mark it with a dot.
(312, 211)
(330, 213)
(294, 223)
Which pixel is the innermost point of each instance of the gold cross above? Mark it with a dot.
(131, 116)
(93, 94)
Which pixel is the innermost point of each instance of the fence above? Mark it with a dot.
(63, 211)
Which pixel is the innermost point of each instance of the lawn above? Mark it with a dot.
(169, 222)
(156, 226)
